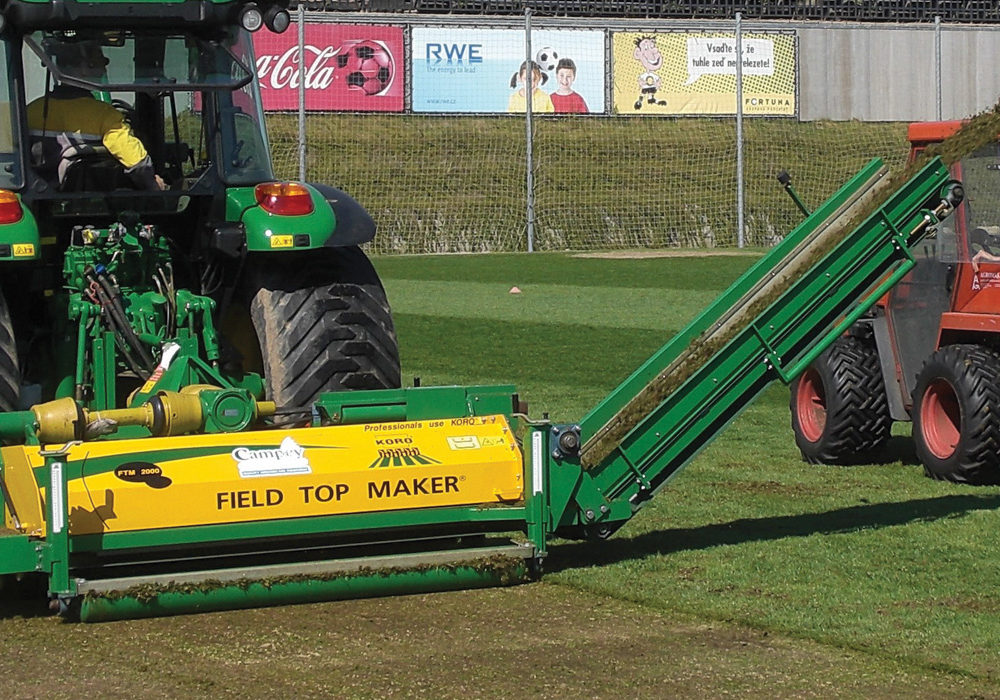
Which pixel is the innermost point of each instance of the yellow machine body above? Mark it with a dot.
(149, 483)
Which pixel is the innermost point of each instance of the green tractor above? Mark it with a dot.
(250, 275)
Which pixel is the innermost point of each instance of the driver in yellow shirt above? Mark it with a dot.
(71, 122)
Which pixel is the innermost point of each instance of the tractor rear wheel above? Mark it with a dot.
(10, 374)
(323, 324)
(840, 411)
(956, 415)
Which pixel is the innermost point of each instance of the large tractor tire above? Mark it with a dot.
(956, 415)
(840, 411)
(10, 374)
(323, 324)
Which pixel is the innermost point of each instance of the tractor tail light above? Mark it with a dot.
(285, 198)
(10, 208)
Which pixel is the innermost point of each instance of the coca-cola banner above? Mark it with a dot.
(356, 68)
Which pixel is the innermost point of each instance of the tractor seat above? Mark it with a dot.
(71, 167)
(93, 172)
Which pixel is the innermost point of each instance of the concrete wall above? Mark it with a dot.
(878, 73)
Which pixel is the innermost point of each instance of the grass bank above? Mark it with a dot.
(457, 184)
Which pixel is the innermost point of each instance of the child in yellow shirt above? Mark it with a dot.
(540, 101)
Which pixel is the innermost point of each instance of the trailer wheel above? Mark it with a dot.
(956, 415)
(840, 411)
(10, 374)
(323, 324)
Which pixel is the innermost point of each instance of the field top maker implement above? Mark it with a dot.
(152, 465)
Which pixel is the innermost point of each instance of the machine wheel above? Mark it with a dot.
(10, 374)
(956, 415)
(323, 324)
(840, 412)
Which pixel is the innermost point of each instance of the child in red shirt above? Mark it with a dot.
(564, 99)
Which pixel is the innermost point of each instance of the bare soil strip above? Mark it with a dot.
(540, 641)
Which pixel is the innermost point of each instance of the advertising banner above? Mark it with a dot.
(356, 68)
(694, 73)
(458, 69)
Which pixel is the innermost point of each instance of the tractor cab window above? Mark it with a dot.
(979, 215)
(10, 176)
(187, 102)
(138, 61)
(246, 158)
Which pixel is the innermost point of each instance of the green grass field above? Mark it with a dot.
(751, 575)
(876, 559)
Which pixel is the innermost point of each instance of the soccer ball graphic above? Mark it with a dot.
(368, 65)
(547, 58)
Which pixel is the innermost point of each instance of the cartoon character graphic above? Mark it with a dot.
(530, 72)
(648, 55)
(565, 100)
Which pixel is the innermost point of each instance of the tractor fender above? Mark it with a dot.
(19, 236)
(337, 221)
(354, 225)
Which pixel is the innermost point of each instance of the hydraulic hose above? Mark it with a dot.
(111, 303)
(119, 343)
(126, 328)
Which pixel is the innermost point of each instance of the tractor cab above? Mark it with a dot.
(976, 223)
(956, 278)
(972, 233)
(189, 98)
(958, 272)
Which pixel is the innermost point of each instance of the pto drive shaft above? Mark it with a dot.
(193, 409)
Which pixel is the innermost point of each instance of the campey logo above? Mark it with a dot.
(289, 458)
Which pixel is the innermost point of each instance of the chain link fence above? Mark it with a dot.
(478, 182)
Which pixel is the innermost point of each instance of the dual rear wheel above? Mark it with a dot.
(840, 413)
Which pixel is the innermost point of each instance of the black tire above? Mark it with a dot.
(323, 324)
(956, 415)
(839, 407)
(10, 373)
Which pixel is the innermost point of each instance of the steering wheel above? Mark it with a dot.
(127, 110)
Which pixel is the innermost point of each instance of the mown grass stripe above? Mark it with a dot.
(634, 308)
(688, 270)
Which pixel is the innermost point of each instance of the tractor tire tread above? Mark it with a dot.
(975, 372)
(10, 375)
(858, 423)
(327, 335)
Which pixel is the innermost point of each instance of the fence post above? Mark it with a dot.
(302, 91)
(529, 87)
(740, 222)
(937, 63)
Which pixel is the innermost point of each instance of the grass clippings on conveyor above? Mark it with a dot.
(978, 132)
